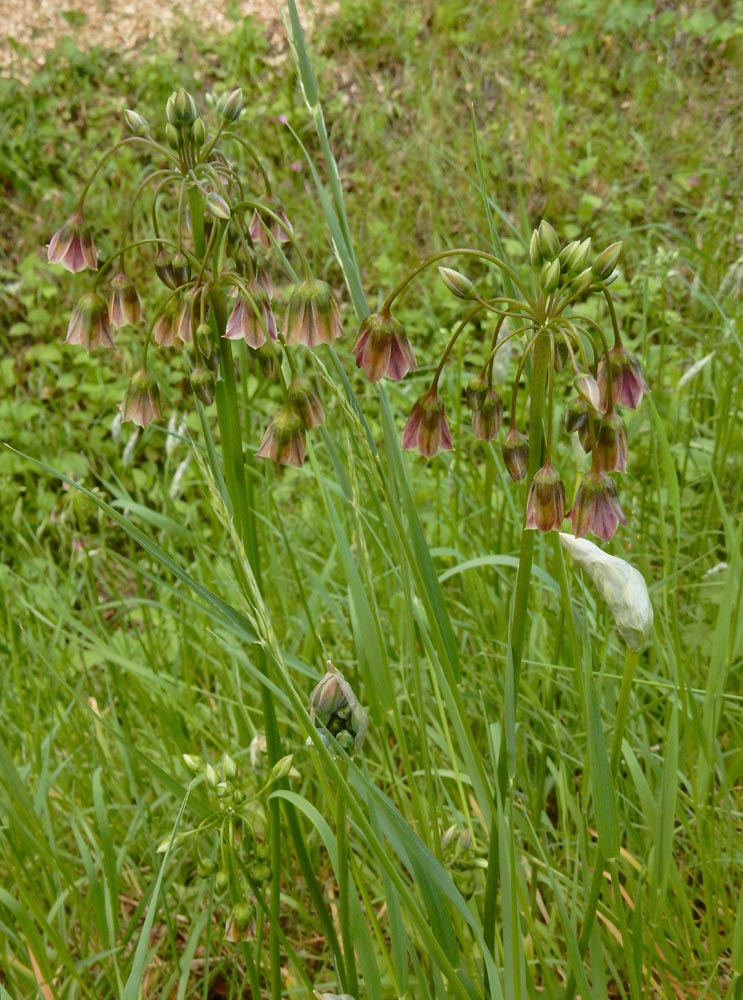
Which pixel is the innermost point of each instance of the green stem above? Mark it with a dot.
(630, 665)
(344, 889)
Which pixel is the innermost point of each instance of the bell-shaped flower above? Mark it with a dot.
(89, 325)
(596, 506)
(427, 429)
(383, 349)
(142, 401)
(124, 305)
(303, 398)
(610, 447)
(488, 417)
(312, 315)
(628, 385)
(515, 450)
(622, 587)
(252, 318)
(284, 441)
(72, 245)
(545, 505)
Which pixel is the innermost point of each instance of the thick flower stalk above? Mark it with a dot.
(216, 246)
(542, 313)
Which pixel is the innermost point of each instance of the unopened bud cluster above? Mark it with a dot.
(228, 846)
(227, 242)
(542, 314)
(337, 712)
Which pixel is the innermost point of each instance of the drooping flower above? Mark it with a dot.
(124, 305)
(284, 441)
(303, 398)
(383, 349)
(628, 385)
(610, 447)
(163, 331)
(89, 325)
(621, 585)
(251, 318)
(312, 315)
(515, 451)
(427, 429)
(142, 401)
(545, 505)
(72, 245)
(262, 224)
(596, 506)
(487, 418)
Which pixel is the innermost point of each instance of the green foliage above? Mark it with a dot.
(126, 637)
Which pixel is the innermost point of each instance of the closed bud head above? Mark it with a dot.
(545, 506)
(457, 283)
(181, 108)
(334, 708)
(566, 252)
(282, 767)
(173, 136)
(383, 349)
(427, 430)
(231, 105)
(89, 325)
(303, 398)
(142, 404)
(549, 245)
(581, 283)
(312, 316)
(515, 451)
(605, 262)
(72, 245)
(202, 384)
(198, 133)
(284, 441)
(212, 777)
(229, 767)
(124, 305)
(486, 422)
(136, 123)
(193, 762)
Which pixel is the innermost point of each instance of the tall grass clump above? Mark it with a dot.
(310, 695)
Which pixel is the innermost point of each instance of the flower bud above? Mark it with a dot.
(181, 108)
(202, 384)
(577, 259)
(206, 867)
(605, 262)
(588, 389)
(549, 244)
(545, 506)
(198, 133)
(221, 880)
(457, 283)
(566, 252)
(164, 268)
(212, 778)
(204, 339)
(549, 277)
(229, 767)
(622, 587)
(240, 923)
(515, 451)
(535, 254)
(282, 767)
(172, 136)
(231, 105)
(136, 123)
(217, 206)
(581, 283)
(193, 762)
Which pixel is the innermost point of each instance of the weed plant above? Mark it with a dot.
(134, 631)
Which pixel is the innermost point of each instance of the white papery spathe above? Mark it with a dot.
(622, 587)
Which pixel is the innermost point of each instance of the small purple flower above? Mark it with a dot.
(284, 441)
(124, 305)
(383, 349)
(142, 401)
(312, 315)
(515, 451)
(596, 506)
(610, 447)
(487, 418)
(72, 245)
(427, 429)
(252, 318)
